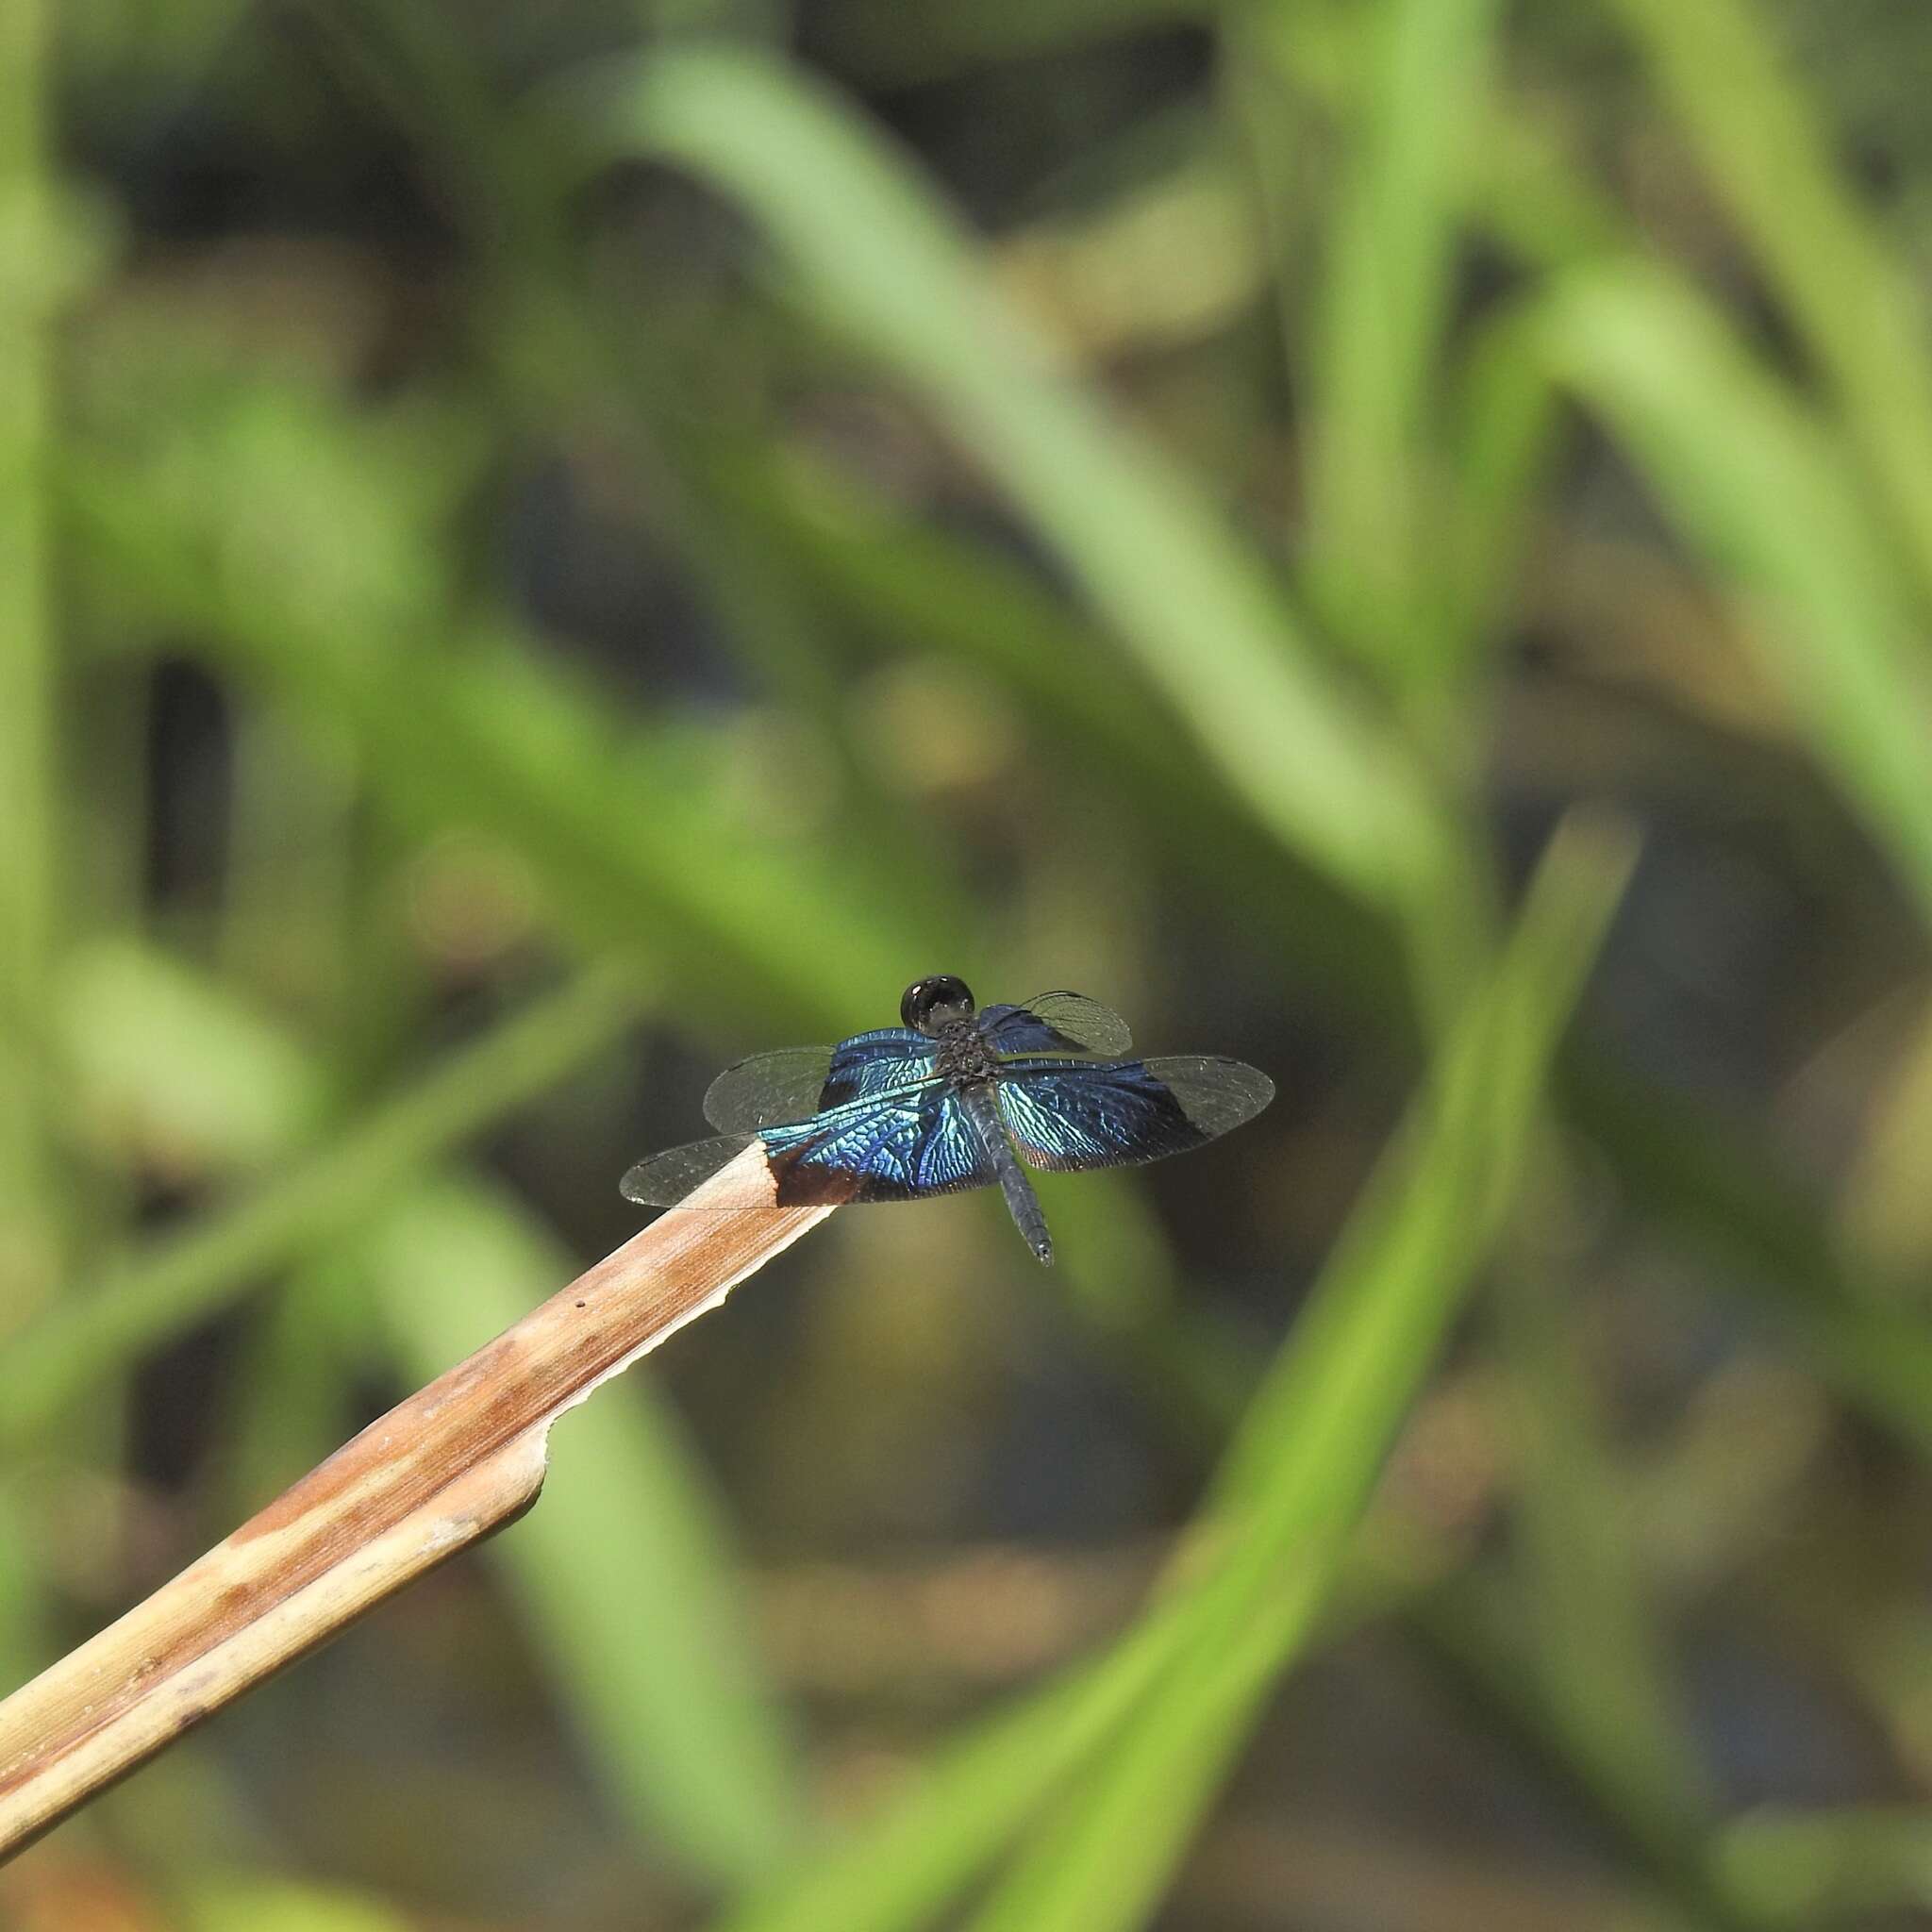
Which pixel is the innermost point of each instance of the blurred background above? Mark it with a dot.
(545, 549)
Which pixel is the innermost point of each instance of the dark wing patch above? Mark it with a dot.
(1056, 1023)
(1071, 1114)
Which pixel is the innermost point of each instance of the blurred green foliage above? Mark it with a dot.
(544, 550)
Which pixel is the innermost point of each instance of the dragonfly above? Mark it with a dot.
(954, 1097)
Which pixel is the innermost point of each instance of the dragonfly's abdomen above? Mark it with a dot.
(982, 1108)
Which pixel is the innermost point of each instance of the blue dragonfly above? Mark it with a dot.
(942, 1102)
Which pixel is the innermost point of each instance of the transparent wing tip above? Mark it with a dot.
(1216, 1094)
(663, 1180)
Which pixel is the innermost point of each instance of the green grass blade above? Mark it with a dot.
(621, 1570)
(283, 1904)
(1304, 1462)
(1529, 192)
(1884, 1210)
(1382, 308)
(1855, 304)
(178, 1064)
(1459, 1630)
(1728, 1198)
(883, 262)
(1762, 488)
(1501, 441)
(24, 1644)
(637, 842)
(188, 1278)
(285, 1413)
(1596, 1657)
(1714, 1185)
(1847, 1863)
(624, 1564)
(899, 1873)
(29, 1259)
(549, 339)
(912, 584)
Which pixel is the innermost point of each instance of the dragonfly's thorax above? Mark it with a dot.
(964, 1056)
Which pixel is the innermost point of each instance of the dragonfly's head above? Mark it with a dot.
(930, 1004)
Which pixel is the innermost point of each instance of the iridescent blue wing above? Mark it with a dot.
(901, 1148)
(869, 1064)
(798, 1082)
(1066, 1114)
(1056, 1023)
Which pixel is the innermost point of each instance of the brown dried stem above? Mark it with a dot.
(457, 1460)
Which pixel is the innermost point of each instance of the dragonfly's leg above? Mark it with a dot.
(1021, 1202)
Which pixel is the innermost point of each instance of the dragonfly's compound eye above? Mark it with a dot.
(930, 1004)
